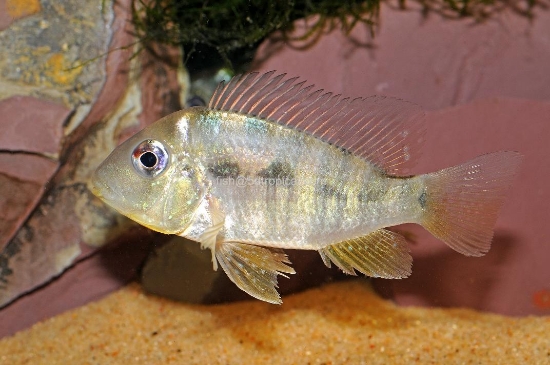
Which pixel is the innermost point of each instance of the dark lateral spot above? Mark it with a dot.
(371, 195)
(277, 170)
(422, 199)
(224, 168)
(363, 197)
(154, 333)
(330, 191)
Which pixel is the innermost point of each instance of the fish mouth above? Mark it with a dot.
(100, 189)
(94, 189)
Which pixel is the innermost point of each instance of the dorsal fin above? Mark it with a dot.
(387, 132)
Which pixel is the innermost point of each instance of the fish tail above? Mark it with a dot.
(461, 203)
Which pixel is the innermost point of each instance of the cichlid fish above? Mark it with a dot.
(271, 164)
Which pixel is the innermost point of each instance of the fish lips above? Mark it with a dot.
(101, 189)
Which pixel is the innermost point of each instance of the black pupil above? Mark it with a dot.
(148, 159)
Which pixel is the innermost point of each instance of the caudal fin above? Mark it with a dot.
(461, 203)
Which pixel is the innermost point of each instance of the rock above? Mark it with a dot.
(44, 100)
(180, 270)
(29, 148)
(87, 280)
(58, 224)
(24, 177)
(41, 120)
(11, 10)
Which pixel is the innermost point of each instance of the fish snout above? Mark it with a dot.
(92, 186)
(100, 188)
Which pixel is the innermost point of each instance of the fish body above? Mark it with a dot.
(269, 165)
(282, 188)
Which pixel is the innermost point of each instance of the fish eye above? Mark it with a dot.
(150, 158)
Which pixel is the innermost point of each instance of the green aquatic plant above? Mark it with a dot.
(477, 9)
(233, 29)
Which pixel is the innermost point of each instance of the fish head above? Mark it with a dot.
(151, 178)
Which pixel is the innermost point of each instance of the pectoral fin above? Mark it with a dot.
(382, 254)
(254, 269)
(209, 237)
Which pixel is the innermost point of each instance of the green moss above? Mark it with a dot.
(234, 28)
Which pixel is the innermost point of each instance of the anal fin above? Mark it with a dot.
(254, 269)
(381, 254)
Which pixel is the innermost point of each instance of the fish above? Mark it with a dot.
(272, 164)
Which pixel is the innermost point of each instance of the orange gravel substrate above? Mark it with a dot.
(344, 323)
